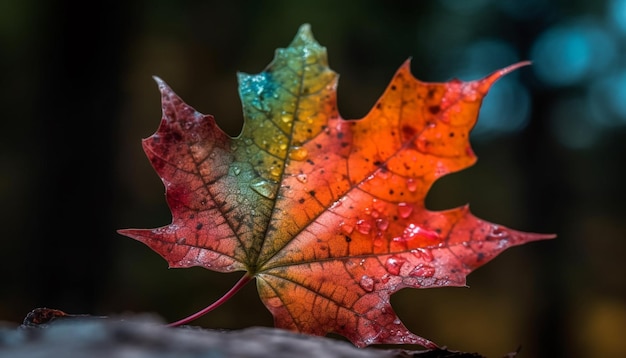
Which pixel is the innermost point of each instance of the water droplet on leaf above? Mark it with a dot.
(367, 283)
(275, 171)
(382, 224)
(363, 226)
(411, 184)
(423, 253)
(378, 241)
(422, 271)
(299, 153)
(302, 178)
(346, 228)
(264, 187)
(394, 264)
(405, 210)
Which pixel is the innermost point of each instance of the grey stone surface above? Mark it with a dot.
(149, 337)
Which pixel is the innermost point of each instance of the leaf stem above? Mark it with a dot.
(242, 282)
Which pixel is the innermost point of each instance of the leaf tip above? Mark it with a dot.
(305, 30)
(162, 85)
(304, 37)
(506, 70)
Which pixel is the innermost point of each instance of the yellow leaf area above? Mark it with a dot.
(327, 214)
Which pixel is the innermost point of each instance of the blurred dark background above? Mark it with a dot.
(78, 97)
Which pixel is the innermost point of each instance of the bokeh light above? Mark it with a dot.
(570, 54)
(617, 14)
(607, 99)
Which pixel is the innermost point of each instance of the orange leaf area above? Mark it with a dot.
(327, 214)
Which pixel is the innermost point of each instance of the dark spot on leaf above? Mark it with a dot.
(301, 200)
(434, 109)
(199, 226)
(408, 131)
(312, 192)
(340, 135)
(393, 87)
(348, 238)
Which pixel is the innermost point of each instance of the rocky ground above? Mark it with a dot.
(149, 337)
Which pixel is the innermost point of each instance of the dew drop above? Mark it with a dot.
(422, 271)
(382, 224)
(264, 187)
(378, 241)
(275, 171)
(385, 278)
(405, 210)
(394, 264)
(367, 283)
(496, 233)
(286, 118)
(397, 321)
(299, 153)
(181, 241)
(236, 170)
(346, 228)
(302, 178)
(411, 184)
(247, 141)
(282, 146)
(412, 231)
(336, 204)
(379, 205)
(363, 226)
(423, 253)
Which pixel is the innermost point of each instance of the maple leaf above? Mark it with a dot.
(326, 214)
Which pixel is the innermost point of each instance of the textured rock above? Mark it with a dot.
(149, 337)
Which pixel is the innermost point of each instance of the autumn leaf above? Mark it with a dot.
(326, 214)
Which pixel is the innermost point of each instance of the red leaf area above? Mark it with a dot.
(326, 214)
